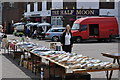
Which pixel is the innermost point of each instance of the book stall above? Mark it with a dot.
(53, 64)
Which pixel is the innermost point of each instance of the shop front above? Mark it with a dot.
(39, 16)
(35, 18)
(62, 17)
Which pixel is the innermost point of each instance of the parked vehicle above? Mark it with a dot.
(100, 28)
(54, 33)
(20, 26)
(19, 29)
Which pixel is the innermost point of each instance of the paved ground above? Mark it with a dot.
(10, 69)
(91, 48)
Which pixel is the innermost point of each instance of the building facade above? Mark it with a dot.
(12, 12)
(64, 12)
(0, 13)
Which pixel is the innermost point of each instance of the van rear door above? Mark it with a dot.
(93, 29)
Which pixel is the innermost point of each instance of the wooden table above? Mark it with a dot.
(68, 70)
(109, 72)
(116, 58)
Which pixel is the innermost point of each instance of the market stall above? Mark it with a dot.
(45, 27)
(19, 28)
(60, 63)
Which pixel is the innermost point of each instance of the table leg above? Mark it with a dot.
(49, 70)
(118, 63)
(32, 61)
(54, 66)
(22, 59)
(40, 72)
(8, 51)
(112, 70)
(35, 68)
(109, 75)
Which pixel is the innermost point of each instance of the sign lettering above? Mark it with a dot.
(82, 12)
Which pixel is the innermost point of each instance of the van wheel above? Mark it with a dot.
(100, 40)
(108, 40)
(55, 39)
(78, 39)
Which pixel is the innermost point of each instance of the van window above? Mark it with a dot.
(83, 27)
(75, 26)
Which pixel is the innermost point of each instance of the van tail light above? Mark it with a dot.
(47, 34)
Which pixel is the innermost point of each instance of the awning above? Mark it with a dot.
(43, 24)
(17, 24)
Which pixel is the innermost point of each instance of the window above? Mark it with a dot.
(39, 6)
(31, 6)
(54, 30)
(75, 26)
(56, 21)
(83, 27)
(105, 4)
(70, 4)
(49, 5)
(61, 30)
(11, 4)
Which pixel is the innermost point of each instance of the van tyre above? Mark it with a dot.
(108, 40)
(55, 38)
(78, 39)
(100, 40)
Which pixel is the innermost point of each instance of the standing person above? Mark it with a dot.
(66, 40)
(1, 35)
(27, 32)
(34, 33)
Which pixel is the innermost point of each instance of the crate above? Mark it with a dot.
(59, 71)
(17, 54)
(30, 65)
(25, 63)
(55, 46)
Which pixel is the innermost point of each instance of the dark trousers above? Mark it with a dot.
(67, 48)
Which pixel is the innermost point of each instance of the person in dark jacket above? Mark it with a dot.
(28, 32)
(66, 40)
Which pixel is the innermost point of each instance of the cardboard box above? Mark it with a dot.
(60, 74)
(78, 76)
(59, 71)
(25, 64)
(55, 46)
(17, 54)
(30, 65)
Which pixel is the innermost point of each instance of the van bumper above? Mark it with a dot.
(114, 36)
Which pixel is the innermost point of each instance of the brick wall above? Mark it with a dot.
(0, 13)
(14, 13)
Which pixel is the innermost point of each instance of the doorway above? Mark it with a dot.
(94, 29)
